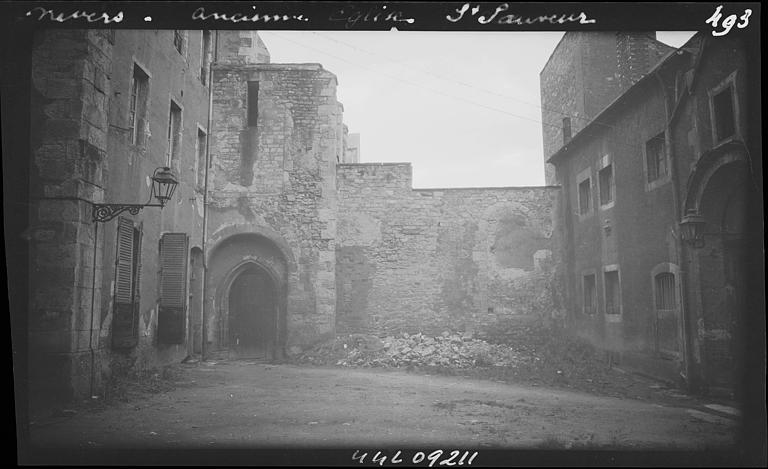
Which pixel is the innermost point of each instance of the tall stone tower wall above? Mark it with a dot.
(585, 73)
(276, 140)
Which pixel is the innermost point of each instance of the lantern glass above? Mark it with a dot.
(163, 184)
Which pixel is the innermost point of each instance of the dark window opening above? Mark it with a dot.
(605, 178)
(138, 104)
(665, 291)
(590, 294)
(205, 61)
(585, 193)
(612, 293)
(253, 103)
(725, 125)
(202, 140)
(174, 135)
(656, 158)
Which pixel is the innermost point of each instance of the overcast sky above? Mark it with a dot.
(462, 107)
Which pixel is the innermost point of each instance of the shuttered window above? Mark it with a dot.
(127, 275)
(173, 288)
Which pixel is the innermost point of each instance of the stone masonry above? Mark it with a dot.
(277, 178)
(439, 259)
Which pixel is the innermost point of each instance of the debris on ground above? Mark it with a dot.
(522, 353)
(409, 350)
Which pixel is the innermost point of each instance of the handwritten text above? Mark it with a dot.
(728, 22)
(493, 17)
(351, 16)
(453, 458)
(200, 14)
(61, 17)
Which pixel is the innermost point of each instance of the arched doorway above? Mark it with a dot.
(247, 295)
(253, 313)
(727, 264)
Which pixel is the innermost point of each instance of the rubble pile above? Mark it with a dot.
(449, 350)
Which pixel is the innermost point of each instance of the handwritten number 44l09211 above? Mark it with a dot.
(728, 22)
(434, 458)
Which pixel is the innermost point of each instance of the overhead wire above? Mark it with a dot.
(468, 85)
(396, 78)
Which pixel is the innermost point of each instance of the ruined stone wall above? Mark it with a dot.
(240, 47)
(438, 259)
(278, 178)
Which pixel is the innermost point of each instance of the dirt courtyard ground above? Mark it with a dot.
(247, 404)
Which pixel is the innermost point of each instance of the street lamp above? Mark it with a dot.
(692, 228)
(163, 185)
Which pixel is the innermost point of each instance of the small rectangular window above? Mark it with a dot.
(174, 135)
(253, 103)
(722, 103)
(605, 179)
(205, 61)
(665, 291)
(585, 194)
(202, 140)
(566, 129)
(138, 105)
(612, 292)
(656, 158)
(590, 294)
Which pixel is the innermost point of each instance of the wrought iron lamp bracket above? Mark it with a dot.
(106, 212)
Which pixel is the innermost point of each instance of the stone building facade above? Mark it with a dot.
(276, 237)
(679, 141)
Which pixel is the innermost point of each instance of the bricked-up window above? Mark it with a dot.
(253, 103)
(665, 291)
(585, 194)
(612, 292)
(590, 294)
(174, 135)
(605, 180)
(205, 58)
(725, 123)
(656, 158)
(178, 40)
(566, 129)
(127, 279)
(171, 320)
(137, 114)
(202, 140)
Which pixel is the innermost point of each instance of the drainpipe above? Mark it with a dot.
(679, 248)
(203, 327)
(93, 308)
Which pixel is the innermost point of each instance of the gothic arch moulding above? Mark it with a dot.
(228, 231)
(706, 167)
